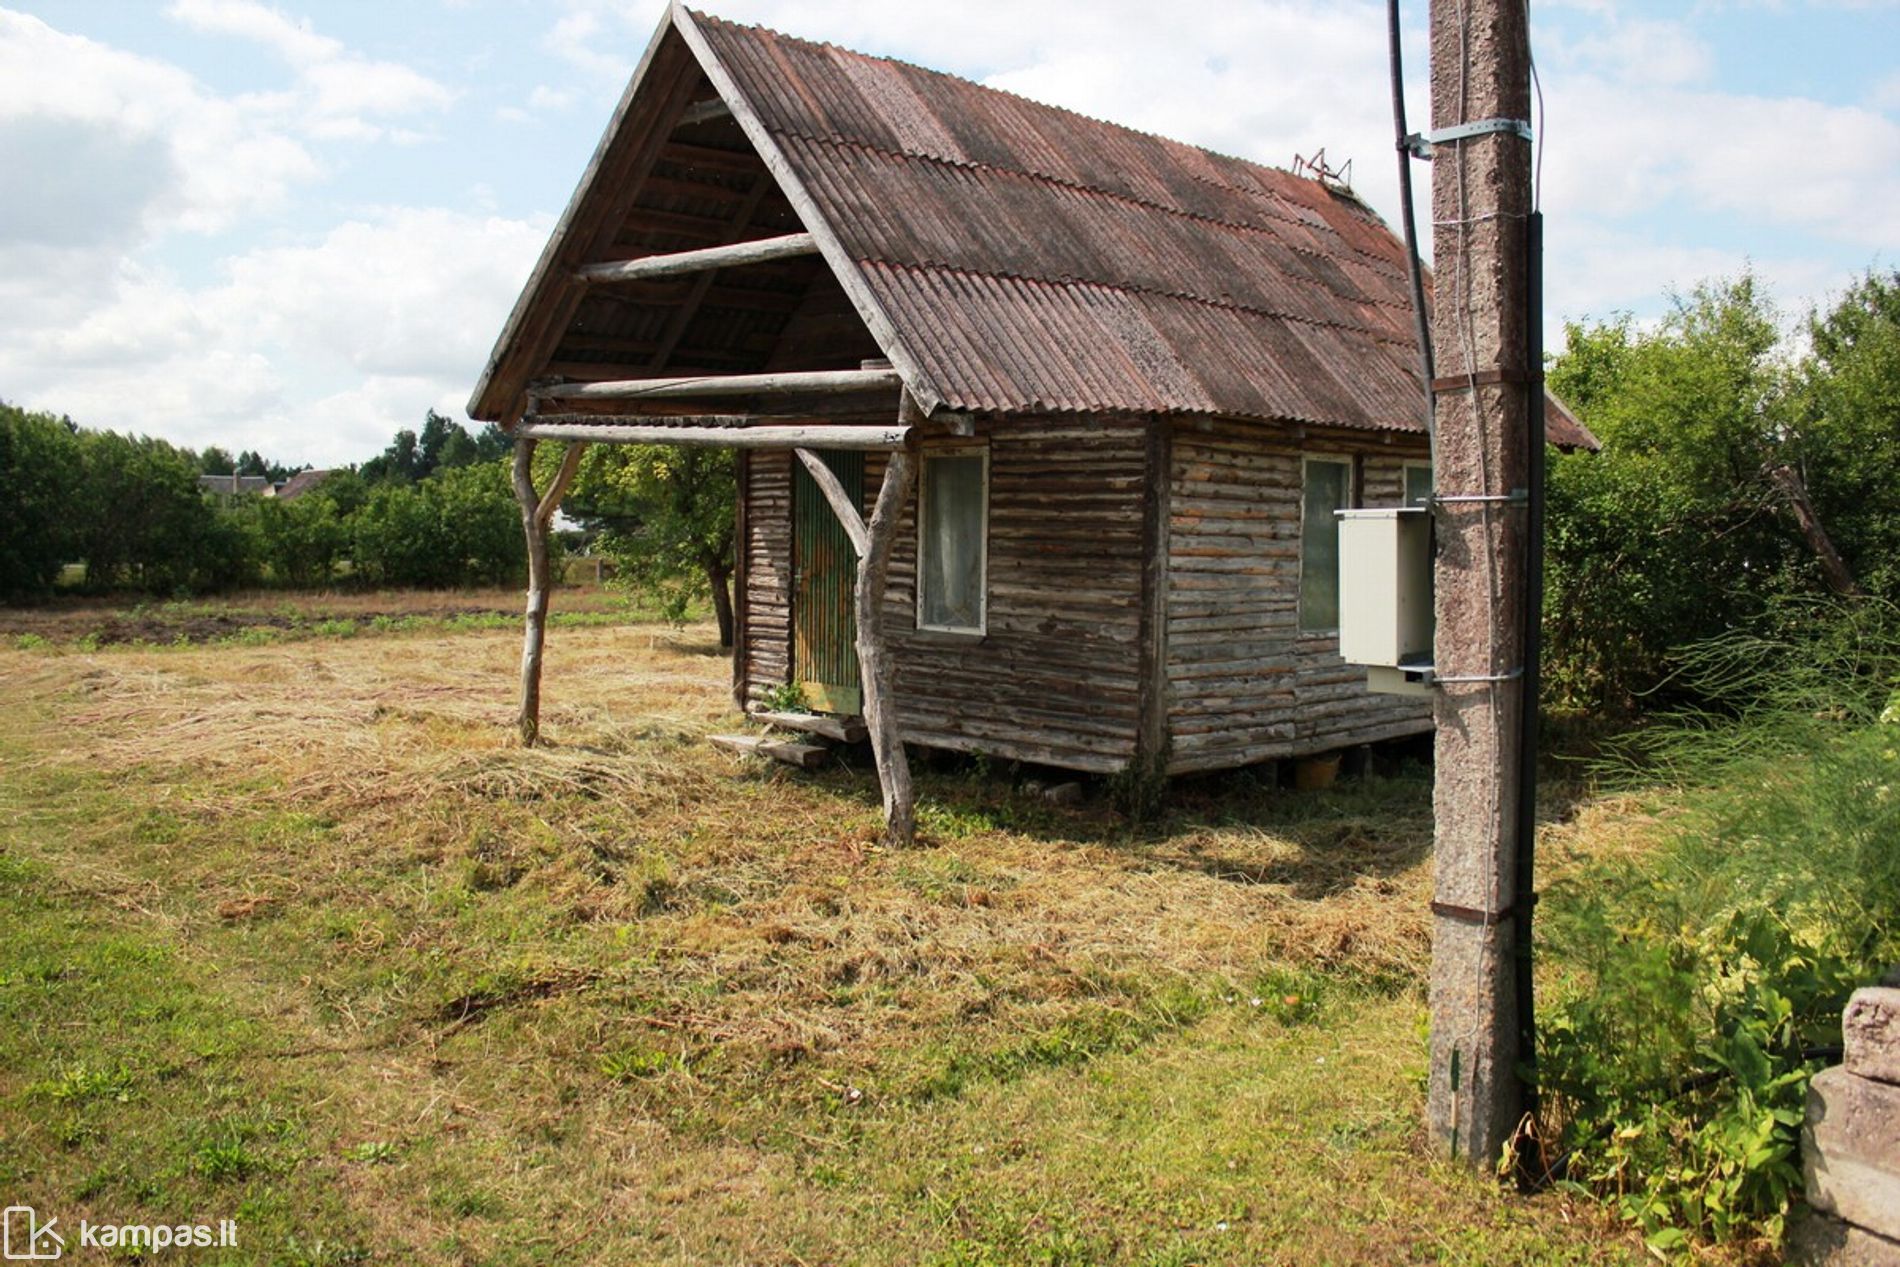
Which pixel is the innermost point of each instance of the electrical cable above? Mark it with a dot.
(1414, 267)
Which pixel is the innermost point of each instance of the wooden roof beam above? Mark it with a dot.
(802, 436)
(731, 255)
(705, 111)
(786, 384)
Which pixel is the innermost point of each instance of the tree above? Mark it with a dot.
(458, 527)
(216, 461)
(400, 462)
(436, 431)
(39, 485)
(1846, 427)
(666, 515)
(142, 521)
(1679, 526)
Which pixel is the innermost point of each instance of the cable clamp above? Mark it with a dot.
(1512, 676)
(1516, 497)
(1479, 127)
(1471, 915)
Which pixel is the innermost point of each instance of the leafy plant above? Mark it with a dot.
(786, 697)
(1705, 982)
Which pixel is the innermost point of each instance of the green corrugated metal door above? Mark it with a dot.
(824, 569)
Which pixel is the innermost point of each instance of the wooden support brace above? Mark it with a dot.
(840, 500)
(874, 661)
(537, 511)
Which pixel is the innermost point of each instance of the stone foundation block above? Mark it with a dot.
(1851, 1150)
(1871, 1029)
(1821, 1240)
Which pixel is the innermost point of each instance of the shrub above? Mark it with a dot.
(39, 468)
(1705, 982)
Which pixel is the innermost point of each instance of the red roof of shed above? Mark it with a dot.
(1025, 258)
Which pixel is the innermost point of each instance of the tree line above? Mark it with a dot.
(434, 509)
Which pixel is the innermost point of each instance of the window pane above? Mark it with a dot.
(1325, 491)
(951, 566)
(1418, 485)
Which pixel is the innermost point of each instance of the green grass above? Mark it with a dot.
(353, 970)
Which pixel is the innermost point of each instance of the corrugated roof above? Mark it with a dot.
(1032, 258)
(1014, 257)
(1037, 259)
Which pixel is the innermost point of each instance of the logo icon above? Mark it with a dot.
(23, 1238)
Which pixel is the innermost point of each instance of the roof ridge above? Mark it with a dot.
(700, 15)
(1227, 305)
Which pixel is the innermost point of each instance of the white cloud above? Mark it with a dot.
(295, 41)
(196, 161)
(402, 306)
(337, 93)
(1886, 94)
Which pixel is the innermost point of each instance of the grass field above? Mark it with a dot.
(293, 935)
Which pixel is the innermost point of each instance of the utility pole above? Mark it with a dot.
(1481, 206)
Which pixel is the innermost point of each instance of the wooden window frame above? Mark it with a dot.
(1353, 498)
(1413, 464)
(924, 458)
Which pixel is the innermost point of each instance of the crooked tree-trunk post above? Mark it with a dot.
(1481, 202)
(537, 511)
(873, 542)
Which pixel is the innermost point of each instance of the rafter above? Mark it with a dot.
(791, 383)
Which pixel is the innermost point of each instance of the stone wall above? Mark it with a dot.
(1850, 1147)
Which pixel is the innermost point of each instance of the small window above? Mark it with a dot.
(1325, 488)
(953, 541)
(1418, 483)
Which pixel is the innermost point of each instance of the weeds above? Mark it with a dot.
(1707, 977)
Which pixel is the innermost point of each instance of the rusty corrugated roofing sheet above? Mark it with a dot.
(1036, 259)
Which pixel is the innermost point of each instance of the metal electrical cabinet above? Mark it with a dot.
(1385, 596)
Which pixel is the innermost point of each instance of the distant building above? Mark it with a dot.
(237, 485)
(300, 483)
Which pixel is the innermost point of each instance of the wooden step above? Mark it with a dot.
(843, 729)
(806, 756)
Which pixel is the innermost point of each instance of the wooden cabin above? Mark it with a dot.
(1130, 381)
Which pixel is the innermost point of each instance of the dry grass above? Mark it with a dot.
(630, 998)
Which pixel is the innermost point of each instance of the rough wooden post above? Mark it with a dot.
(536, 513)
(874, 661)
(1481, 194)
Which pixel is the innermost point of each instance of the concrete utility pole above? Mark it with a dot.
(1481, 200)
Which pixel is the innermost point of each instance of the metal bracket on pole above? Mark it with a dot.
(1516, 497)
(1420, 146)
(1488, 678)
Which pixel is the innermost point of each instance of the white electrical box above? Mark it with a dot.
(1385, 596)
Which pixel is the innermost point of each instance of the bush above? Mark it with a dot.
(461, 526)
(1705, 982)
(300, 541)
(39, 471)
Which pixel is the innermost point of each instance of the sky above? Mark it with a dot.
(297, 227)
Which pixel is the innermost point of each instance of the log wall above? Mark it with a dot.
(1057, 677)
(763, 658)
(1054, 676)
(1244, 684)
